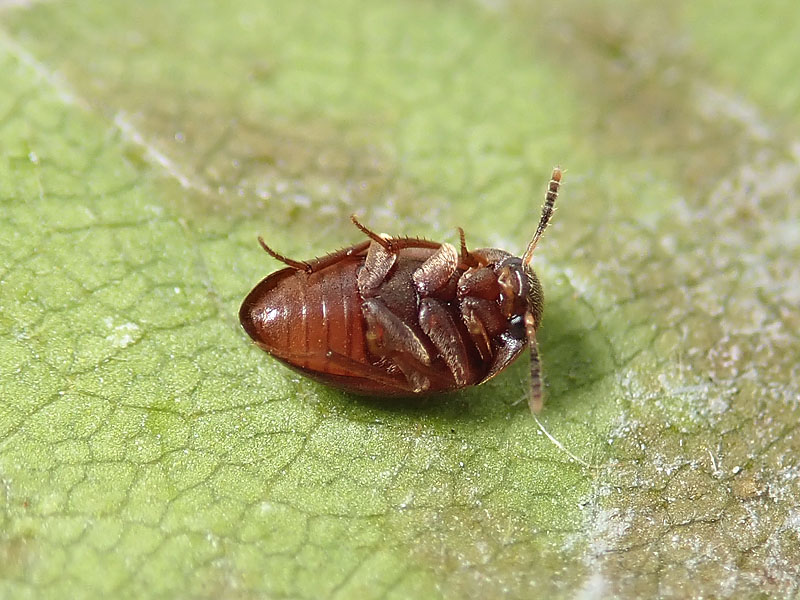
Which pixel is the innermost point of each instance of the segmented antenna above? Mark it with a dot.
(547, 213)
(536, 398)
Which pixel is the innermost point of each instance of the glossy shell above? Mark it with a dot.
(312, 322)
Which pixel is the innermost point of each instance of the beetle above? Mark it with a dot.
(399, 316)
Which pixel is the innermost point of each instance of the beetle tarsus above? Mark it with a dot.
(386, 242)
(464, 255)
(300, 265)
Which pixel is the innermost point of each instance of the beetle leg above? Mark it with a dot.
(464, 254)
(477, 331)
(317, 264)
(506, 352)
(439, 326)
(391, 338)
(489, 256)
(487, 313)
(437, 270)
(300, 265)
(380, 238)
(410, 368)
(378, 263)
(347, 366)
(480, 282)
(387, 333)
(367, 371)
(419, 375)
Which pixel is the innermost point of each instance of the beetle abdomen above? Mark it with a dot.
(301, 318)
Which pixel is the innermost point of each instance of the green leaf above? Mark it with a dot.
(148, 449)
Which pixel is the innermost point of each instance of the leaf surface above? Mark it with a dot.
(147, 449)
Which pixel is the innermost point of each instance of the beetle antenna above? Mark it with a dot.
(536, 396)
(547, 214)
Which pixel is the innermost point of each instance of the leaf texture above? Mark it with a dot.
(147, 449)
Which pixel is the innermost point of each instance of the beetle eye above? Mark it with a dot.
(516, 327)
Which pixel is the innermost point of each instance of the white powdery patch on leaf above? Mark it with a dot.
(782, 488)
(122, 335)
(605, 528)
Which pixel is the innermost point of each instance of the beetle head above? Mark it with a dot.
(521, 294)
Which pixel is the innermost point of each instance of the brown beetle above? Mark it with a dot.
(402, 316)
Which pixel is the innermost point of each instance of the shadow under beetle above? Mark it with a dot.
(403, 316)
